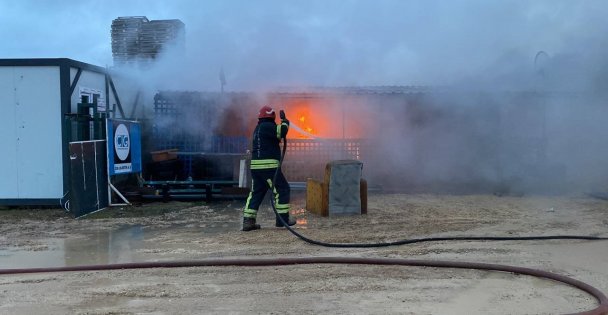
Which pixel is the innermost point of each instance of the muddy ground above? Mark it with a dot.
(195, 230)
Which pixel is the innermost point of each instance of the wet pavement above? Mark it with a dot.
(127, 243)
(121, 245)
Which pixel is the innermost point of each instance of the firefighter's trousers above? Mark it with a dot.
(261, 181)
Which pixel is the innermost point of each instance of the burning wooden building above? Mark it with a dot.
(326, 125)
(409, 138)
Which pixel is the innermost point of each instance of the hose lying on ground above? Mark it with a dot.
(417, 240)
(601, 309)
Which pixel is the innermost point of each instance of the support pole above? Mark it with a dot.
(127, 203)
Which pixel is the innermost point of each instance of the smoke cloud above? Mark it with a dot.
(328, 43)
(518, 88)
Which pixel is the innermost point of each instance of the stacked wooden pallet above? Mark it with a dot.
(155, 35)
(125, 38)
(136, 39)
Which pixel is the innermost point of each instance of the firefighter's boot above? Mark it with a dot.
(249, 224)
(286, 218)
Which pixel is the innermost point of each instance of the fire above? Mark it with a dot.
(304, 124)
(302, 222)
(298, 211)
(319, 117)
(301, 219)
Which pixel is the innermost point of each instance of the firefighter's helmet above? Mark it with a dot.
(266, 112)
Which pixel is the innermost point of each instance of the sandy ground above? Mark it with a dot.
(180, 231)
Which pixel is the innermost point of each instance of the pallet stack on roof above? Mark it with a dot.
(155, 34)
(137, 40)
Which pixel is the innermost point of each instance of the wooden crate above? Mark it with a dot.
(317, 194)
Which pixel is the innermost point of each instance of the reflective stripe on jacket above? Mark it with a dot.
(265, 151)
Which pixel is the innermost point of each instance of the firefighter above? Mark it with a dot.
(265, 156)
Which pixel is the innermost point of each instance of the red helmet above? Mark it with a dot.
(266, 112)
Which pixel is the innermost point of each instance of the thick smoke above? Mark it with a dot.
(498, 115)
(516, 99)
(264, 44)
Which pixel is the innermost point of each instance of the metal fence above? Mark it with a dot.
(179, 123)
(306, 158)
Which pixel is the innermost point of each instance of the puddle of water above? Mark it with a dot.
(19, 258)
(120, 245)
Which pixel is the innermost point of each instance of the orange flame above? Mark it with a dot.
(324, 117)
(298, 211)
(302, 221)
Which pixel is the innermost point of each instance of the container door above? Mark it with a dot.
(89, 177)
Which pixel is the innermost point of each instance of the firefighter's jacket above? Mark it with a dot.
(266, 152)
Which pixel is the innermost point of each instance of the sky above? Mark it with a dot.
(266, 43)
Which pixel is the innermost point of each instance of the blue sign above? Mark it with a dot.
(124, 146)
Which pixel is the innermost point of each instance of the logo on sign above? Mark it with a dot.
(122, 142)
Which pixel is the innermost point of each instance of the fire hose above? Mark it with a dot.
(413, 240)
(601, 309)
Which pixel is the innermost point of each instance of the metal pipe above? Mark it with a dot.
(601, 309)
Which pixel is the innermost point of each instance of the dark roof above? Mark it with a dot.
(33, 62)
